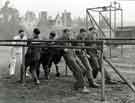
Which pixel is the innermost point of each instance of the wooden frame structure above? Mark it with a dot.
(111, 10)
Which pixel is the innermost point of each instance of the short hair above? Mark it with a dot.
(65, 30)
(53, 34)
(36, 31)
(20, 31)
(82, 30)
(91, 28)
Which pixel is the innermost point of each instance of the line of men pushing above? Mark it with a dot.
(84, 64)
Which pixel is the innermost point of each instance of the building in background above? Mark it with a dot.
(47, 23)
(11, 21)
(60, 20)
(66, 19)
(29, 21)
(42, 18)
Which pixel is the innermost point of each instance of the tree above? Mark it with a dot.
(9, 22)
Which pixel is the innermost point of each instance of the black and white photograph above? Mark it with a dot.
(67, 51)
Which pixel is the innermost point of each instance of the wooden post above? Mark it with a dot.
(122, 49)
(103, 75)
(87, 25)
(110, 30)
(22, 71)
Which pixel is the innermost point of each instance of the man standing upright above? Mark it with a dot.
(16, 53)
(32, 57)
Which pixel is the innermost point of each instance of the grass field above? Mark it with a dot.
(59, 90)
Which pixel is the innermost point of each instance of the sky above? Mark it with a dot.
(76, 7)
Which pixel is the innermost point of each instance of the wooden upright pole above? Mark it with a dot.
(122, 51)
(110, 31)
(87, 20)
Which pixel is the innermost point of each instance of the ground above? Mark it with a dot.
(59, 90)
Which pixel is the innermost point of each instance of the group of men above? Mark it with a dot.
(83, 63)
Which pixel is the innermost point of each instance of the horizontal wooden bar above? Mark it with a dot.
(59, 41)
(48, 46)
(107, 41)
(116, 39)
(119, 43)
(99, 40)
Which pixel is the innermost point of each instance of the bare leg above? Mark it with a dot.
(46, 71)
(33, 69)
(57, 70)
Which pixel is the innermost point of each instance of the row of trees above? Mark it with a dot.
(9, 21)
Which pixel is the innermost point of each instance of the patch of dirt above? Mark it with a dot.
(59, 90)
